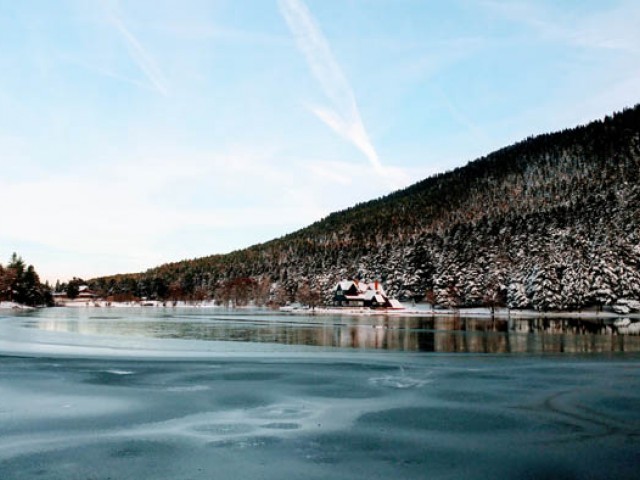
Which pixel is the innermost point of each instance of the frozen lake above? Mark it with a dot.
(201, 394)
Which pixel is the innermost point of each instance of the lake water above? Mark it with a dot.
(202, 394)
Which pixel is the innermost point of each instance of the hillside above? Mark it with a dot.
(551, 222)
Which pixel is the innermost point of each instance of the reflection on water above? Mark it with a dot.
(426, 334)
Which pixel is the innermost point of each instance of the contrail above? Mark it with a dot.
(138, 52)
(343, 116)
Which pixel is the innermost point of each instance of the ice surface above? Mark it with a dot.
(502, 418)
(92, 402)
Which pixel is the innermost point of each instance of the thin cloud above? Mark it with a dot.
(459, 116)
(343, 116)
(613, 29)
(138, 53)
(106, 72)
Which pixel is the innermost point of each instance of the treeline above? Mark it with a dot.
(20, 283)
(549, 223)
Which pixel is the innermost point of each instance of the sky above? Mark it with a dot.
(138, 132)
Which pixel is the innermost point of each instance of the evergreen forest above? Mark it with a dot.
(21, 284)
(550, 223)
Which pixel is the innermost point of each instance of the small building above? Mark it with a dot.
(84, 293)
(353, 293)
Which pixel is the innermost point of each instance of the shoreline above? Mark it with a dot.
(411, 311)
(502, 313)
(14, 306)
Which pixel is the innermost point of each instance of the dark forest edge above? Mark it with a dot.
(549, 223)
(20, 284)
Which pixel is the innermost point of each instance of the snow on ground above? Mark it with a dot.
(144, 303)
(419, 309)
(14, 306)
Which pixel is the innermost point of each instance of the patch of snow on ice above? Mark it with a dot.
(189, 388)
(401, 381)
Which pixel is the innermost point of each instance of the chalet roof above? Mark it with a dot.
(362, 287)
(345, 284)
(369, 294)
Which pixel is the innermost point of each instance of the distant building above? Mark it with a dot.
(85, 294)
(352, 293)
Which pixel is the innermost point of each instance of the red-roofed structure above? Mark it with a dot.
(353, 293)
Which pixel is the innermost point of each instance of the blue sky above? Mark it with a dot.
(138, 132)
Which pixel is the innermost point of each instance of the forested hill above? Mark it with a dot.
(552, 222)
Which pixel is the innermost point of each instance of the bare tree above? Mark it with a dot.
(308, 295)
